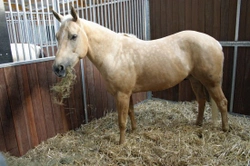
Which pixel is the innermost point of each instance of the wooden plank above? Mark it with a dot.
(24, 120)
(242, 87)
(90, 88)
(2, 140)
(227, 71)
(216, 19)
(201, 15)
(195, 13)
(232, 20)
(175, 16)
(57, 109)
(27, 105)
(163, 22)
(188, 15)
(79, 105)
(7, 134)
(209, 19)
(225, 20)
(156, 21)
(74, 101)
(45, 98)
(181, 17)
(169, 17)
(36, 102)
(16, 108)
(243, 20)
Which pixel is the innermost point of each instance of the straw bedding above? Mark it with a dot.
(165, 135)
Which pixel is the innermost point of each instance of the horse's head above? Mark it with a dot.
(72, 42)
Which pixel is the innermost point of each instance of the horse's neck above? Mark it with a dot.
(102, 42)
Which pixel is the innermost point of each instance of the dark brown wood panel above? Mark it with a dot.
(242, 82)
(244, 21)
(7, 122)
(227, 71)
(28, 114)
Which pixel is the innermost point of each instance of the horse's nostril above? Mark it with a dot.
(60, 67)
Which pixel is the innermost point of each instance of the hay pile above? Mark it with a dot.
(62, 89)
(166, 135)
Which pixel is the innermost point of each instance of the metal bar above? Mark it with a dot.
(26, 62)
(119, 18)
(235, 55)
(13, 27)
(147, 34)
(130, 17)
(109, 23)
(105, 16)
(122, 16)
(20, 30)
(38, 24)
(63, 7)
(147, 21)
(125, 15)
(25, 29)
(235, 43)
(44, 27)
(90, 10)
(84, 91)
(102, 17)
(32, 25)
(98, 13)
(50, 29)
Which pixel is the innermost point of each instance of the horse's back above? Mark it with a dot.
(167, 61)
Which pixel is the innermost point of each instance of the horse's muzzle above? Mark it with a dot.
(59, 70)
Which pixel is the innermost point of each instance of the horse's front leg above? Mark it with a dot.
(122, 104)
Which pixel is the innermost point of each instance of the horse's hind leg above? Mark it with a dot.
(221, 101)
(198, 89)
(131, 113)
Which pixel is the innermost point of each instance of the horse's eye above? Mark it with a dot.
(73, 37)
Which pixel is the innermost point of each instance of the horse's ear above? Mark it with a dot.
(57, 16)
(74, 14)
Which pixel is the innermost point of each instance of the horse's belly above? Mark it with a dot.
(157, 83)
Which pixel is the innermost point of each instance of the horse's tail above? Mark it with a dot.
(214, 108)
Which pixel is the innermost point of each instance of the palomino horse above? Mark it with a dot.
(130, 65)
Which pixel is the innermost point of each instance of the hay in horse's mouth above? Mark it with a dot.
(62, 89)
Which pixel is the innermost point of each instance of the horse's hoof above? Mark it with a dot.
(198, 123)
(225, 128)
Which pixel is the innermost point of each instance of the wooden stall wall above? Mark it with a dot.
(28, 114)
(216, 18)
(242, 84)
